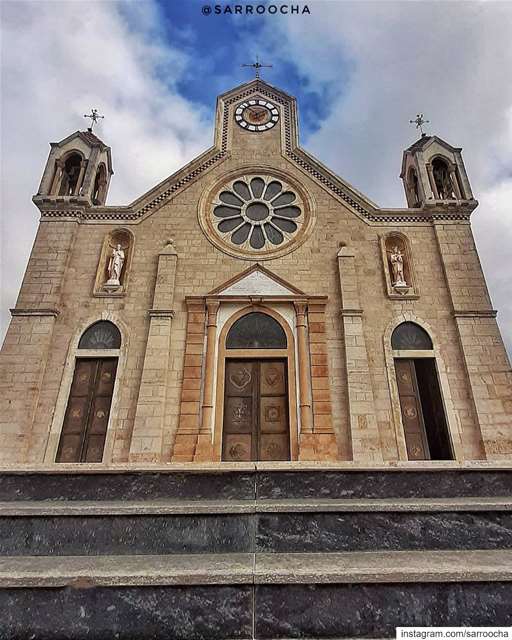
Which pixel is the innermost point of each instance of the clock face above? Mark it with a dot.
(256, 115)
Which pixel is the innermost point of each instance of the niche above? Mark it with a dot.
(114, 264)
(398, 266)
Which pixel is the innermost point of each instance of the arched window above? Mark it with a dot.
(100, 184)
(101, 335)
(70, 174)
(442, 179)
(256, 331)
(409, 335)
(84, 430)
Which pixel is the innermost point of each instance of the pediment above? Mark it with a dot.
(256, 281)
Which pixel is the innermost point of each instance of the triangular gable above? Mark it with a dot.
(256, 281)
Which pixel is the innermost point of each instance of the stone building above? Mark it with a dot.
(253, 306)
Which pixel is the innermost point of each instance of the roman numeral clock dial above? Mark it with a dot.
(257, 115)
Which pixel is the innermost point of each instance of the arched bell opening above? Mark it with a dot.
(256, 399)
(71, 175)
(84, 430)
(422, 408)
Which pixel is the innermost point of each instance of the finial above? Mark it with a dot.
(94, 116)
(419, 122)
(257, 66)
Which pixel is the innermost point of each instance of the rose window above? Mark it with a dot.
(257, 213)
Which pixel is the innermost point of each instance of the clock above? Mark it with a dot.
(257, 115)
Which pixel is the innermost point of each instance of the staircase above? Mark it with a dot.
(249, 552)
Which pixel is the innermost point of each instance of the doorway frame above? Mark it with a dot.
(452, 422)
(287, 354)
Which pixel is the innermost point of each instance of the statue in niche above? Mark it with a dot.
(115, 267)
(397, 265)
(443, 180)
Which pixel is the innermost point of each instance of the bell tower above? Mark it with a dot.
(78, 170)
(433, 174)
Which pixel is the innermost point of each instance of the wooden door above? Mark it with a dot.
(256, 425)
(412, 414)
(86, 419)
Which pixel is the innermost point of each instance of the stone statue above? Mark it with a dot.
(115, 267)
(397, 264)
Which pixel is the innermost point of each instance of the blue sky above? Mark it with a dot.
(360, 70)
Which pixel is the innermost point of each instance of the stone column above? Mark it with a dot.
(148, 427)
(366, 445)
(55, 186)
(485, 358)
(204, 447)
(454, 182)
(83, 165)
(433, 185)
(305, 401)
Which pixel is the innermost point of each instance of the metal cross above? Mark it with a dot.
(94, 116)
(257, 66)
(419, 122)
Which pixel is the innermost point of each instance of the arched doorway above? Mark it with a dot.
(84, 430)
(423, 414)
(256, 390)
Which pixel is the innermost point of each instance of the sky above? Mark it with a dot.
(360, 71)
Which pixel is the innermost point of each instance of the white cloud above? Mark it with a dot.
(59, 59)
(450, 60)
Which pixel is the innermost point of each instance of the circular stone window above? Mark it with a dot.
(256, 214)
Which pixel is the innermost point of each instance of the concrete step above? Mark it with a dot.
(199, 507)
(348, 595)
(280, 527)
(246, 482)
(83, 572)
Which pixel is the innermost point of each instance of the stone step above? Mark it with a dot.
(199, 507)
(83, 572)
(243, 482)
(265, 596)
(281, 529)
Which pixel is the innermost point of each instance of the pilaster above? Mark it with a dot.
(26, 400)
(147, 435)
(366, 445)
(190, 407)
(485, 358)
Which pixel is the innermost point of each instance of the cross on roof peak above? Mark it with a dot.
(94, 116)
(257, 66)
(419, 121)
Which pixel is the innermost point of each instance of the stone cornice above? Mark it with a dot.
(34, 312)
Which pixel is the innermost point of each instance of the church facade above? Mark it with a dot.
(253, 307)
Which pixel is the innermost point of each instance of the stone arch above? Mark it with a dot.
(69, 173)
(287, 353)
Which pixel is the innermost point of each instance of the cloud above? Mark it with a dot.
(59, 59)
(449, 60)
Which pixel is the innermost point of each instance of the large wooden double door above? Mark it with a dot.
(256, 417)
(86, 419)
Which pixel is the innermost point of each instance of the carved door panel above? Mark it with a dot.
(274, 431)
(256, 411)
(412, 415)
(86, 419)
(239, 410)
